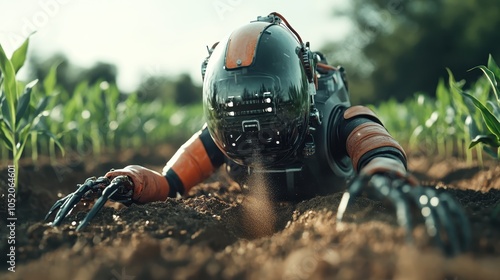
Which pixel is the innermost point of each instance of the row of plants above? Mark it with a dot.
(454, 123)
(97, 117)
(41, 118)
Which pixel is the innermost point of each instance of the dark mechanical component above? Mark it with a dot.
(444, 218)
(119, 189)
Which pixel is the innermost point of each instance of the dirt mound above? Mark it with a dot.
(221, 231)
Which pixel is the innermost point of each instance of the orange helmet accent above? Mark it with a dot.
(242, 45)
(258, 93)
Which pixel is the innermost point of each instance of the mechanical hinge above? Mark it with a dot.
(271, 18)
(309, 146)
(314, 122)
(314, 117)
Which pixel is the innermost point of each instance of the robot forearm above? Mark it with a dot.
(194, 162)
(366, 138)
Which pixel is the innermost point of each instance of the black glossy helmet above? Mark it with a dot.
(257, 92)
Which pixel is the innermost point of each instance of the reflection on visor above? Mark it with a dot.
(246, 86)
(248, 95)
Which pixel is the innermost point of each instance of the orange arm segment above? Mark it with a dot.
(367, 136)
(194, 162)
(149, 185)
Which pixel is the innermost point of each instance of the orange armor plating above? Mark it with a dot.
(191, 163)
(367, 136)
(242, 45)
(359, 110)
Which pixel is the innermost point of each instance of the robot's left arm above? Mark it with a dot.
(368, 144)
(381, 164)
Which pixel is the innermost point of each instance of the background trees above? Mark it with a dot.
(179, 90)
(401, 47)
(395, 49)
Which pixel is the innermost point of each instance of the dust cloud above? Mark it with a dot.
(258, 215)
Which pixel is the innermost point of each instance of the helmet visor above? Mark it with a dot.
(254, 117)
(248, 95)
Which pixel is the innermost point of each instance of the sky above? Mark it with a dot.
(151, 37)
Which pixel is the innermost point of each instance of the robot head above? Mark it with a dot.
(257, 92)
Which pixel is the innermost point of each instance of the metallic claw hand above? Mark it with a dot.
(445, 220)
(120, 189)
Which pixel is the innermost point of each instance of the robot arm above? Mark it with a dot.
(194, 162)
(382, 167)
(366, 138)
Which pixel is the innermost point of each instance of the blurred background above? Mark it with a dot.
(126, 74)
(391, 48)
(144, 44)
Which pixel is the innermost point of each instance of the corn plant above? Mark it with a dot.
(441, 126)
(48, 88)
(96, 118)
(489, 110)
(19, 117)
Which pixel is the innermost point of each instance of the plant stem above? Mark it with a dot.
(15, 157)
(479, 151)
(96, 145)
(34, 149)
(52, 151)
(5, 154)
(460, 148)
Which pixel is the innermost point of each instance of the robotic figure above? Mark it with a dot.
(274, 107)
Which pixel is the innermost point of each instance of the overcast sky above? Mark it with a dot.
(151, 37)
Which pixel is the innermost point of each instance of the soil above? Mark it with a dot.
(223, 231)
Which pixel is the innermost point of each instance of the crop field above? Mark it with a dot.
(221, 230)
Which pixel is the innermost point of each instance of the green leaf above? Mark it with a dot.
(24, 101)
(491, 78)
(5, 143)
(442, 94)
(492, 123)
(41, 106)
(49, 83)
(491, 151)
(494, 108)
(7, 137)
(19, 55)
(6, 116)
(2, 100)
(53, 137)
(492, 65)
(23, 138)
(489, 140)
(22, 124)
(10, 84)
(455, 90)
